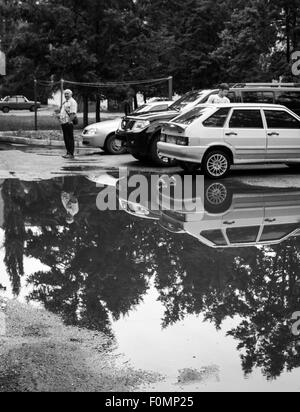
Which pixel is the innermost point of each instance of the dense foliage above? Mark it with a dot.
(199, 42)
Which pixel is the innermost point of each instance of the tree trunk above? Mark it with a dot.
(98, 109)
(85, 110)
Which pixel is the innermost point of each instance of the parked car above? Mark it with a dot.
(103, 135)
(17, 103)
(236, 217)
(215, 137)
(285, 94)
(141, 134)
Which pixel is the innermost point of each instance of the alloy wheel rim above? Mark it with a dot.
(217, 165)
(116, 146)
(216, 194)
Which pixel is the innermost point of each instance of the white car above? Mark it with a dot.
(218, 136)
(236, 217)
(103, 135)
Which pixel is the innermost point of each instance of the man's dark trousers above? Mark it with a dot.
(68, 131)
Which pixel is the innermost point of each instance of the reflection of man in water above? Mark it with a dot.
(69, 199)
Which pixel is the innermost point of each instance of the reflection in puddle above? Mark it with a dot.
(206, 303)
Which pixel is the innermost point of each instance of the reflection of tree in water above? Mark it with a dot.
(101, 266)
(257, 285)
(12, 194)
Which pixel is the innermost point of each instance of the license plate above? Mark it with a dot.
(171, 139)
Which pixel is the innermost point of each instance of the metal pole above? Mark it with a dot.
(35, 106)
(62, 87)
(98, 108)
(170, 87)
(85, 110)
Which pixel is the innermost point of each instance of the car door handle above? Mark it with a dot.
(229, 223)
(270, 220)
(231, 134)
(273, 134)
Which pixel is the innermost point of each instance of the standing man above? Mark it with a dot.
(220, 98)
(67, 115)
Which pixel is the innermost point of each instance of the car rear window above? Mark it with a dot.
(214, 236)
(218, 119)
(246, 119)
(192, 115)
(189, 98)
(280, 119)
(277, 232)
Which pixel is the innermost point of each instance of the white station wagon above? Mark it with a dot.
(218, 136)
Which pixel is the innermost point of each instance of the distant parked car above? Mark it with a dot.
(103, 135)
(17, 103)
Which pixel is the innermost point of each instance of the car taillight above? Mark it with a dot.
(182, 141)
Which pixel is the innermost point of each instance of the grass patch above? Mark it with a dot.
(45, 122)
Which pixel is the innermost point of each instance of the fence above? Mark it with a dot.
(97, 91)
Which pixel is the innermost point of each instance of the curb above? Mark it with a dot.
(36, 142)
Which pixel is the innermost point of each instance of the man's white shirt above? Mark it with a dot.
(68, 107)
(216, 99)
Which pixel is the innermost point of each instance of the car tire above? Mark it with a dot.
(216, 164)
(218, 198)
(112, 147)
(6, 110)
(156, 158)
(190, 167)
(32, 109)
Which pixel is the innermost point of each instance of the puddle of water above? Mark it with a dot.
(205, 317)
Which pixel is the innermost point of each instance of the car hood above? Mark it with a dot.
(170, 114)
(106, 123)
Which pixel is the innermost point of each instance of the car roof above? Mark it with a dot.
(265, 89)
(243, 105)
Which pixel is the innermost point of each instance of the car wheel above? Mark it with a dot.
(114, 146)
(216, 164)
(218, 198)
(6, 110)
(156, 158)
(32, 109)
(189, 167)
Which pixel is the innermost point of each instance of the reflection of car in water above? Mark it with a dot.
(147, 205)
(237, 217)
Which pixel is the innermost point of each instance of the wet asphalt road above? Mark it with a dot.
(40, 163)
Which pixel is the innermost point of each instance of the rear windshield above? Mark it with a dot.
(190, 116)
(189, 98)
(141, 108)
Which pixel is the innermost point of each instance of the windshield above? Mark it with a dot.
(188, 98)
(141, 108)
(190, 116)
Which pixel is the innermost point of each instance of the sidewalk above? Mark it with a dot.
(12, 137)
